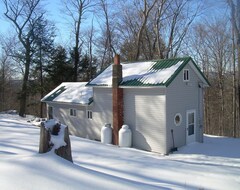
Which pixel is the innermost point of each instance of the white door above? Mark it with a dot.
(191, 126)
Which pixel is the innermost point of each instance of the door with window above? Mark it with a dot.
(191, 126)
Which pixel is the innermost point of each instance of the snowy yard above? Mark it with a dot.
(215, 164)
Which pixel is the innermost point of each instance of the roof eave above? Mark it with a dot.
(68, 103)
(145, 86)
(201, 75)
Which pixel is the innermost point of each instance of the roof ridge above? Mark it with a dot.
(155, 60)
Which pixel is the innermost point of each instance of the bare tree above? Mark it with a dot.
(90, 49)
(23, 15)
(8, 97)
(160, 10)
(76, 9)
(4, 71)
(235, 20)
(144, 12)
(178, 19)
(107, 32)
(210, 42)
(133, 26)
(155, 29)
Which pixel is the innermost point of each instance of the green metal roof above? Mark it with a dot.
(54, 94)
(150, 73)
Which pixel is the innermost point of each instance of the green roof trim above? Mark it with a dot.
(55, 94)
(199, 70)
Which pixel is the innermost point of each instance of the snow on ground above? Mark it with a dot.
(214, 164)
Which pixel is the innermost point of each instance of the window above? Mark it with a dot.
(185, 75)
(191, 123)
(73, 112)
(178, 119)
(89, 114)
(50, 112)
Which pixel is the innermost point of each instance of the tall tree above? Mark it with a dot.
(8, 90)
(107, 29)
(4, 77)
(90, 40)
(43, 47)
(144, 11)
(155, 29)
(179, 17)
(76, 9)
(235, 20)
(159, 10)
(59, 70)
(210, 43)
(88, 68)
(24, 15)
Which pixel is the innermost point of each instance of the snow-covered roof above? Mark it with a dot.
(147, 73)
(70, 92)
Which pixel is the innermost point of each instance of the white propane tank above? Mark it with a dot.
(125, 136)
(106, 134)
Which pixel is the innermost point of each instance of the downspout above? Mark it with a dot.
(117, 98)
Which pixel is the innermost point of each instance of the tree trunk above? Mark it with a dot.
(41, 81)
(145, 16)
(234, 88)
(76, 63)
(23, 95)
(235, 17)
(238, 105)
(237, 30)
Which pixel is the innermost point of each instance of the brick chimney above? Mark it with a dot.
(117, 98)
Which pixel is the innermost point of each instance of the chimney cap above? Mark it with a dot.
(117, 59)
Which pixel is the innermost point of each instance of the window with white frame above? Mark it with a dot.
(185, 75)
(89, 114)
(73, 112)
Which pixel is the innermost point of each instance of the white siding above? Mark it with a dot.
(183, 96)
(79, 125)
(82, 126)
(144, 112)
(102, 108)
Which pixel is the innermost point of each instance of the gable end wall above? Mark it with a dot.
(183, 96)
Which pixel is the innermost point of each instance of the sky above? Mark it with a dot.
(53, 9)
(63, 33)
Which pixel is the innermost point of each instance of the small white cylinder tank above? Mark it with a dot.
(106, 134)
(125, 136)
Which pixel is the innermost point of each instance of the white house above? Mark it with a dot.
(160, 101)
